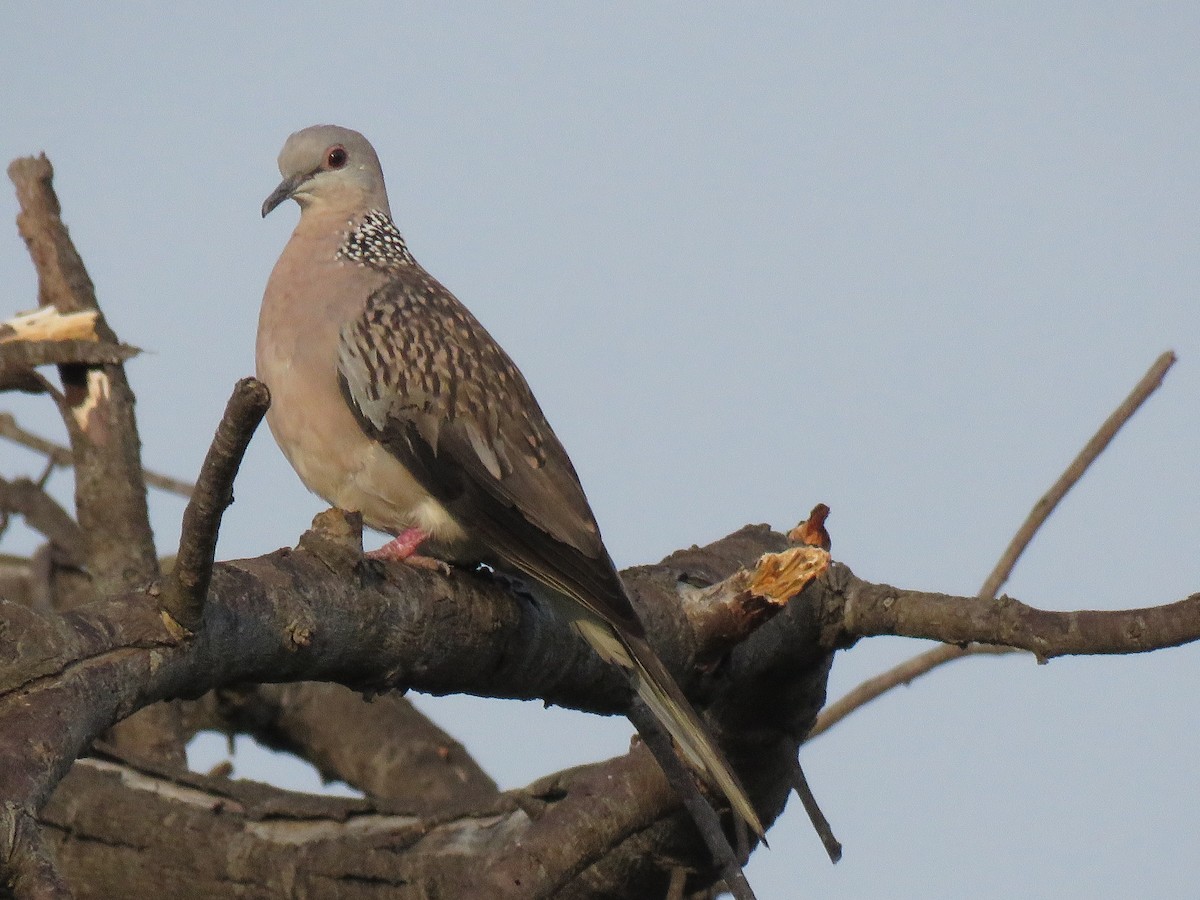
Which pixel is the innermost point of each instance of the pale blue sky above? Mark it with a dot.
(900, 258)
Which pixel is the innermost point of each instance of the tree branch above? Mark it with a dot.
(34, 870)
(43, 514)
(318, 613)
(97, 407)
(903, 674)
(595, 810)
(19, 355)
(1149, 383)
(263, 841)
(703, 816)
(820, 824)
(909, 670)
(312, 613)
(397, 754)
(727, 612)
(186, 586)
(874, 609)
(61, 457)
(304, 613)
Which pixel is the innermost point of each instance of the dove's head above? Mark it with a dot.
(331, 167)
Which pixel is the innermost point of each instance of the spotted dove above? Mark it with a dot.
(390, 399)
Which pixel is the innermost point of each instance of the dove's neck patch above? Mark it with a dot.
(376, 243)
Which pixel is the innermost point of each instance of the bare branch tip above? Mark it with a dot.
(188, 583)
(254, 393)
(25, 168)
(820, 824)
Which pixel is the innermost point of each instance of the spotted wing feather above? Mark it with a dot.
(427, 380)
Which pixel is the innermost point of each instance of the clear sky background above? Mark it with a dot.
(899, 258)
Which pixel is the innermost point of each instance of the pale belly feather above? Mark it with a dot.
(321, 438)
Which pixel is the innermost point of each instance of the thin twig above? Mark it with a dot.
(914, 668)
(47, 471)
(61, 456)
(187, 585)
(702, 814)
(42, 513)
(819, 823)
(903, 674)
(1149, 383)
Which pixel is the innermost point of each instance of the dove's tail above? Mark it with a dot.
(662, 695)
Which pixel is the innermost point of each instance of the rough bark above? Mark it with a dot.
(97, 402)
(97, 406)
(310, 650)
(321, 611)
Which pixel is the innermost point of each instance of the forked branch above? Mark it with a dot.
(911, 669)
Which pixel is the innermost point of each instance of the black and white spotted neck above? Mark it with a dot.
(376, 243)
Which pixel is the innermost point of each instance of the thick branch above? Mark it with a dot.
(18, 360)
(34, 872)
(321, 612)
(605, 811)
(97, 405)
(131, 829)
(725, 613)
(397, 754)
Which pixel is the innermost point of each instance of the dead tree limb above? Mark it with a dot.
(60, 456)
(396, 754)
(865, 610)
(734, 621)
(97, 406)
(924, 663)
(318, 613)
(185, 588)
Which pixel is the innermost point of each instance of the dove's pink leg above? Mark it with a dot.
(403, 548)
